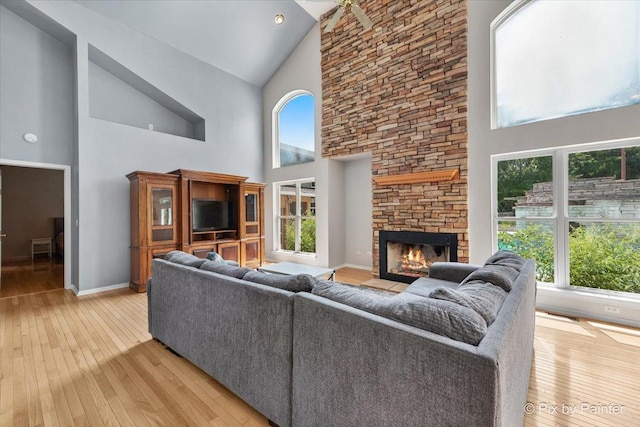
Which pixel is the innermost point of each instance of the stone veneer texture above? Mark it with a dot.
(399, 91)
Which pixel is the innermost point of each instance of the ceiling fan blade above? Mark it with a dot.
(334, 20)
(361, 16)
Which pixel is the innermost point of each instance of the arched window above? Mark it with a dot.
(559, 58)
(294, 129)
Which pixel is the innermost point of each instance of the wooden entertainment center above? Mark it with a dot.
(195, 212)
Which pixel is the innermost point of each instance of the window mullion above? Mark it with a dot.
(561, 222)
(298, 215)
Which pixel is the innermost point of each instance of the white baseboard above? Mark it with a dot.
(359, 267)
(101, 289)
(614, 309)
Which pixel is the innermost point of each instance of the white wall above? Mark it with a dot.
(36, 82)
(114, 100)
(301, 71)
(357, 213)
(483, 143)
(106, 151)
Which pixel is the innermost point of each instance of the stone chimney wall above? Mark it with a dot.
(399, 91)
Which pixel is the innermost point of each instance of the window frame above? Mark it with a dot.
(275, 124)
(298, 217)
(560, 217)
(510, 11)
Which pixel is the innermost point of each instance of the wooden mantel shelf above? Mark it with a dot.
(418, 177)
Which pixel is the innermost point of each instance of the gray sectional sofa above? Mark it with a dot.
(305, 352)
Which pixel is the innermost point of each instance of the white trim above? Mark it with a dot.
(588, 304)
(356, 266)
(68, 262)
(101, 289)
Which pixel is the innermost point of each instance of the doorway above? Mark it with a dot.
(35, 208)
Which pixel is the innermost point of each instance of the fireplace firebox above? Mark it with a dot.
(406, 255)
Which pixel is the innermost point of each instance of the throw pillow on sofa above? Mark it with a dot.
(295, 283)
(438, 316)
(483, 298)
(215, 256)
(499, 275)
(227, 270)
(506, 258)
(179, 257)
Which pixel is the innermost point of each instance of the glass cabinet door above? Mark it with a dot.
(161, 214)
(251, 203)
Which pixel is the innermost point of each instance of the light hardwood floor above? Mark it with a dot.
(27, 277)
(68, 360)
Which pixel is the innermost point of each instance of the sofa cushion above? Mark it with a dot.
(179, 257)
(425, 285)
(294, 283)
(434, 315)
(227, 270)
(483, 298)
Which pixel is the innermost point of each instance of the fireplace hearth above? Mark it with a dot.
(406, 255)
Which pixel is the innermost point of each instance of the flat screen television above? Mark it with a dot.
(211, 215)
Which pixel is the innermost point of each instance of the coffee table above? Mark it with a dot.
(291, 268)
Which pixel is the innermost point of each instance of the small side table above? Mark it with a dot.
(42, 245)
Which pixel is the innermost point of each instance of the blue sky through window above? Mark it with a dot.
(296, 123)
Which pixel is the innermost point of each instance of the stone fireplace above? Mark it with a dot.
(407, 255)
(400, 93)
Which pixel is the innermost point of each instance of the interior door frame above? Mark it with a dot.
(68, 231)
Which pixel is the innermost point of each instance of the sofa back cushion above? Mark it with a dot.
(483, 298)
(183, 258)
(438, 316)
(227, 270)
(294, 283)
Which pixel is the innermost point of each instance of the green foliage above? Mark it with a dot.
(603, 163)
(517, 176)
(603, 256)
(307, 235)
(533, 241)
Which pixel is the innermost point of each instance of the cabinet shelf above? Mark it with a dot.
(214, 232)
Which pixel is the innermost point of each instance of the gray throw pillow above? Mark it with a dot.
(483, 298)
(295, 283)
(499, 275)
(214, 256)
(506, 258)
(227, 270)
(179, 257)
(438, 316)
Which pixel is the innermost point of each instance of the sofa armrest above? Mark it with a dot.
(451, 271)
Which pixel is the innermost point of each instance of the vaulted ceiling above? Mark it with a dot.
(237, 36)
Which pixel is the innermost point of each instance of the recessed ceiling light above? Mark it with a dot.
(279, 19)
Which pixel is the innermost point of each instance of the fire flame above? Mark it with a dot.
(414, 260)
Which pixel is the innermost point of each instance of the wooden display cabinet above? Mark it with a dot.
(196, 212)
(154, 230)
(252, 230)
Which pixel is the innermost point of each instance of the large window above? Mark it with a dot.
(577, 213)
(558, 58)
(294, 130)
(296, 222)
